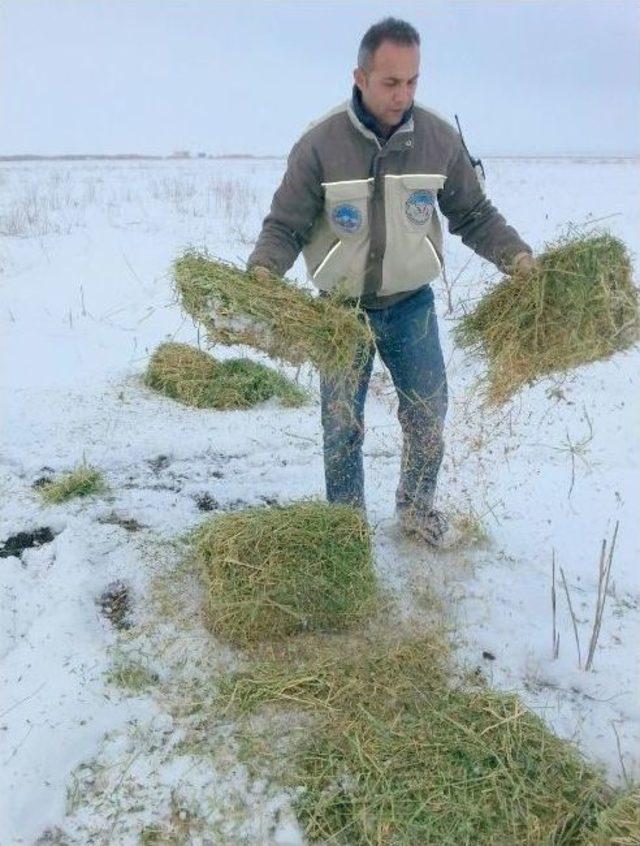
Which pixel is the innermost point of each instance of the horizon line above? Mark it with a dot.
(187, 156)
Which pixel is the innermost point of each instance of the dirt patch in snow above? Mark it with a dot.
(115, 604)
(206, 502)
(16, 544)
(128, 523)
(159, 463)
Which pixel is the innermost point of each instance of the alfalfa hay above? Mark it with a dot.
(579, 305)
(398, 750)
(195, 378)
(276, 571)
(619, 824)
(270, 315)
(83, 480)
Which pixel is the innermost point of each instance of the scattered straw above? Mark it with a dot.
(84, 480)
(579, 305)
(196, 379)
(132, 676)
(271, 572)
(397, 754)
(619, 825)
(270, 314)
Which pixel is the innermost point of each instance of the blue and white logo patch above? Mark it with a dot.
(347, 217)
(419, 206)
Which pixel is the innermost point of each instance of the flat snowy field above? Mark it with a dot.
(84, 262)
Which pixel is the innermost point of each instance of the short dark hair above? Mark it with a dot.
(389, 29)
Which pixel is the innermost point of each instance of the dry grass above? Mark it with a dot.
(134, 677)
(84, 480)
(273, 572)
(398, 754)
(270, 315)
(470, 528)
(195, 378)
(619, 825)
(577, 307)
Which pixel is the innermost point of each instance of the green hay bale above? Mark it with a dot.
(83, 480)
(579, 305)
(195, 378)
(396, 753)
(272, 572)
(619, 825)
(271, 315)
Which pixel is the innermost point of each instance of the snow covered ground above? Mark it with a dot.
(84, 259)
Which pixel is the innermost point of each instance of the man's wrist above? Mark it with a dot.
(522, 262)
(259, 271)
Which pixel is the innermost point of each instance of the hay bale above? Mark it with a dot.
(195, 378)
(579, 305)
(272, 572)
(396, 752)
(270, 315)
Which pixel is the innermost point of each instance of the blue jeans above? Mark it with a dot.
(406, 336)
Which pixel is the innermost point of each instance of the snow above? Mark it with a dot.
(84, 259)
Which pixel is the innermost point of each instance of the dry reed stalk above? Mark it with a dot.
(604, 572)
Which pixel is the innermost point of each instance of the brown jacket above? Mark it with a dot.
(364, 213)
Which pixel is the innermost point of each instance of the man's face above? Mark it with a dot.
(389, 86)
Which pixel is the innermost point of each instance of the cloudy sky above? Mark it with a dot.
(152, 76)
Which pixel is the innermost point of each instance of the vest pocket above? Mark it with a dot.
(345, 230)
(411, 199)
(413, 231)
(347, 207)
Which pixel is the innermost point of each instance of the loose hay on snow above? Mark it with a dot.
(272, 572)
(579, 305)
(270, 315)
(397, 753)
(619, 825)
(195, 378)
(83, 480)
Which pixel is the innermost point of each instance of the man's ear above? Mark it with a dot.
(359, 78)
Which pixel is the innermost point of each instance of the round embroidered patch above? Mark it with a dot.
(419, 206)
(347, 217)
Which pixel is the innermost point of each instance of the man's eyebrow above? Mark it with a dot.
(397, 79)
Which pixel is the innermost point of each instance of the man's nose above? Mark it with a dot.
(402, 101)
(403, 97)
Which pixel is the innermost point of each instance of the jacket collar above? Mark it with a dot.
(369, 122)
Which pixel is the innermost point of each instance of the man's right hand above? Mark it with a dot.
(261, 273)
(523, 264)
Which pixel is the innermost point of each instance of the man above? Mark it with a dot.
(358, 199)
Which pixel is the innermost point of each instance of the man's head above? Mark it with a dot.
(388, 68)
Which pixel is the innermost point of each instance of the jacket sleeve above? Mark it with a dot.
(295, 206)
(472, 216)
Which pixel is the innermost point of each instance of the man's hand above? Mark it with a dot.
(523, 264)
(261, 273)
